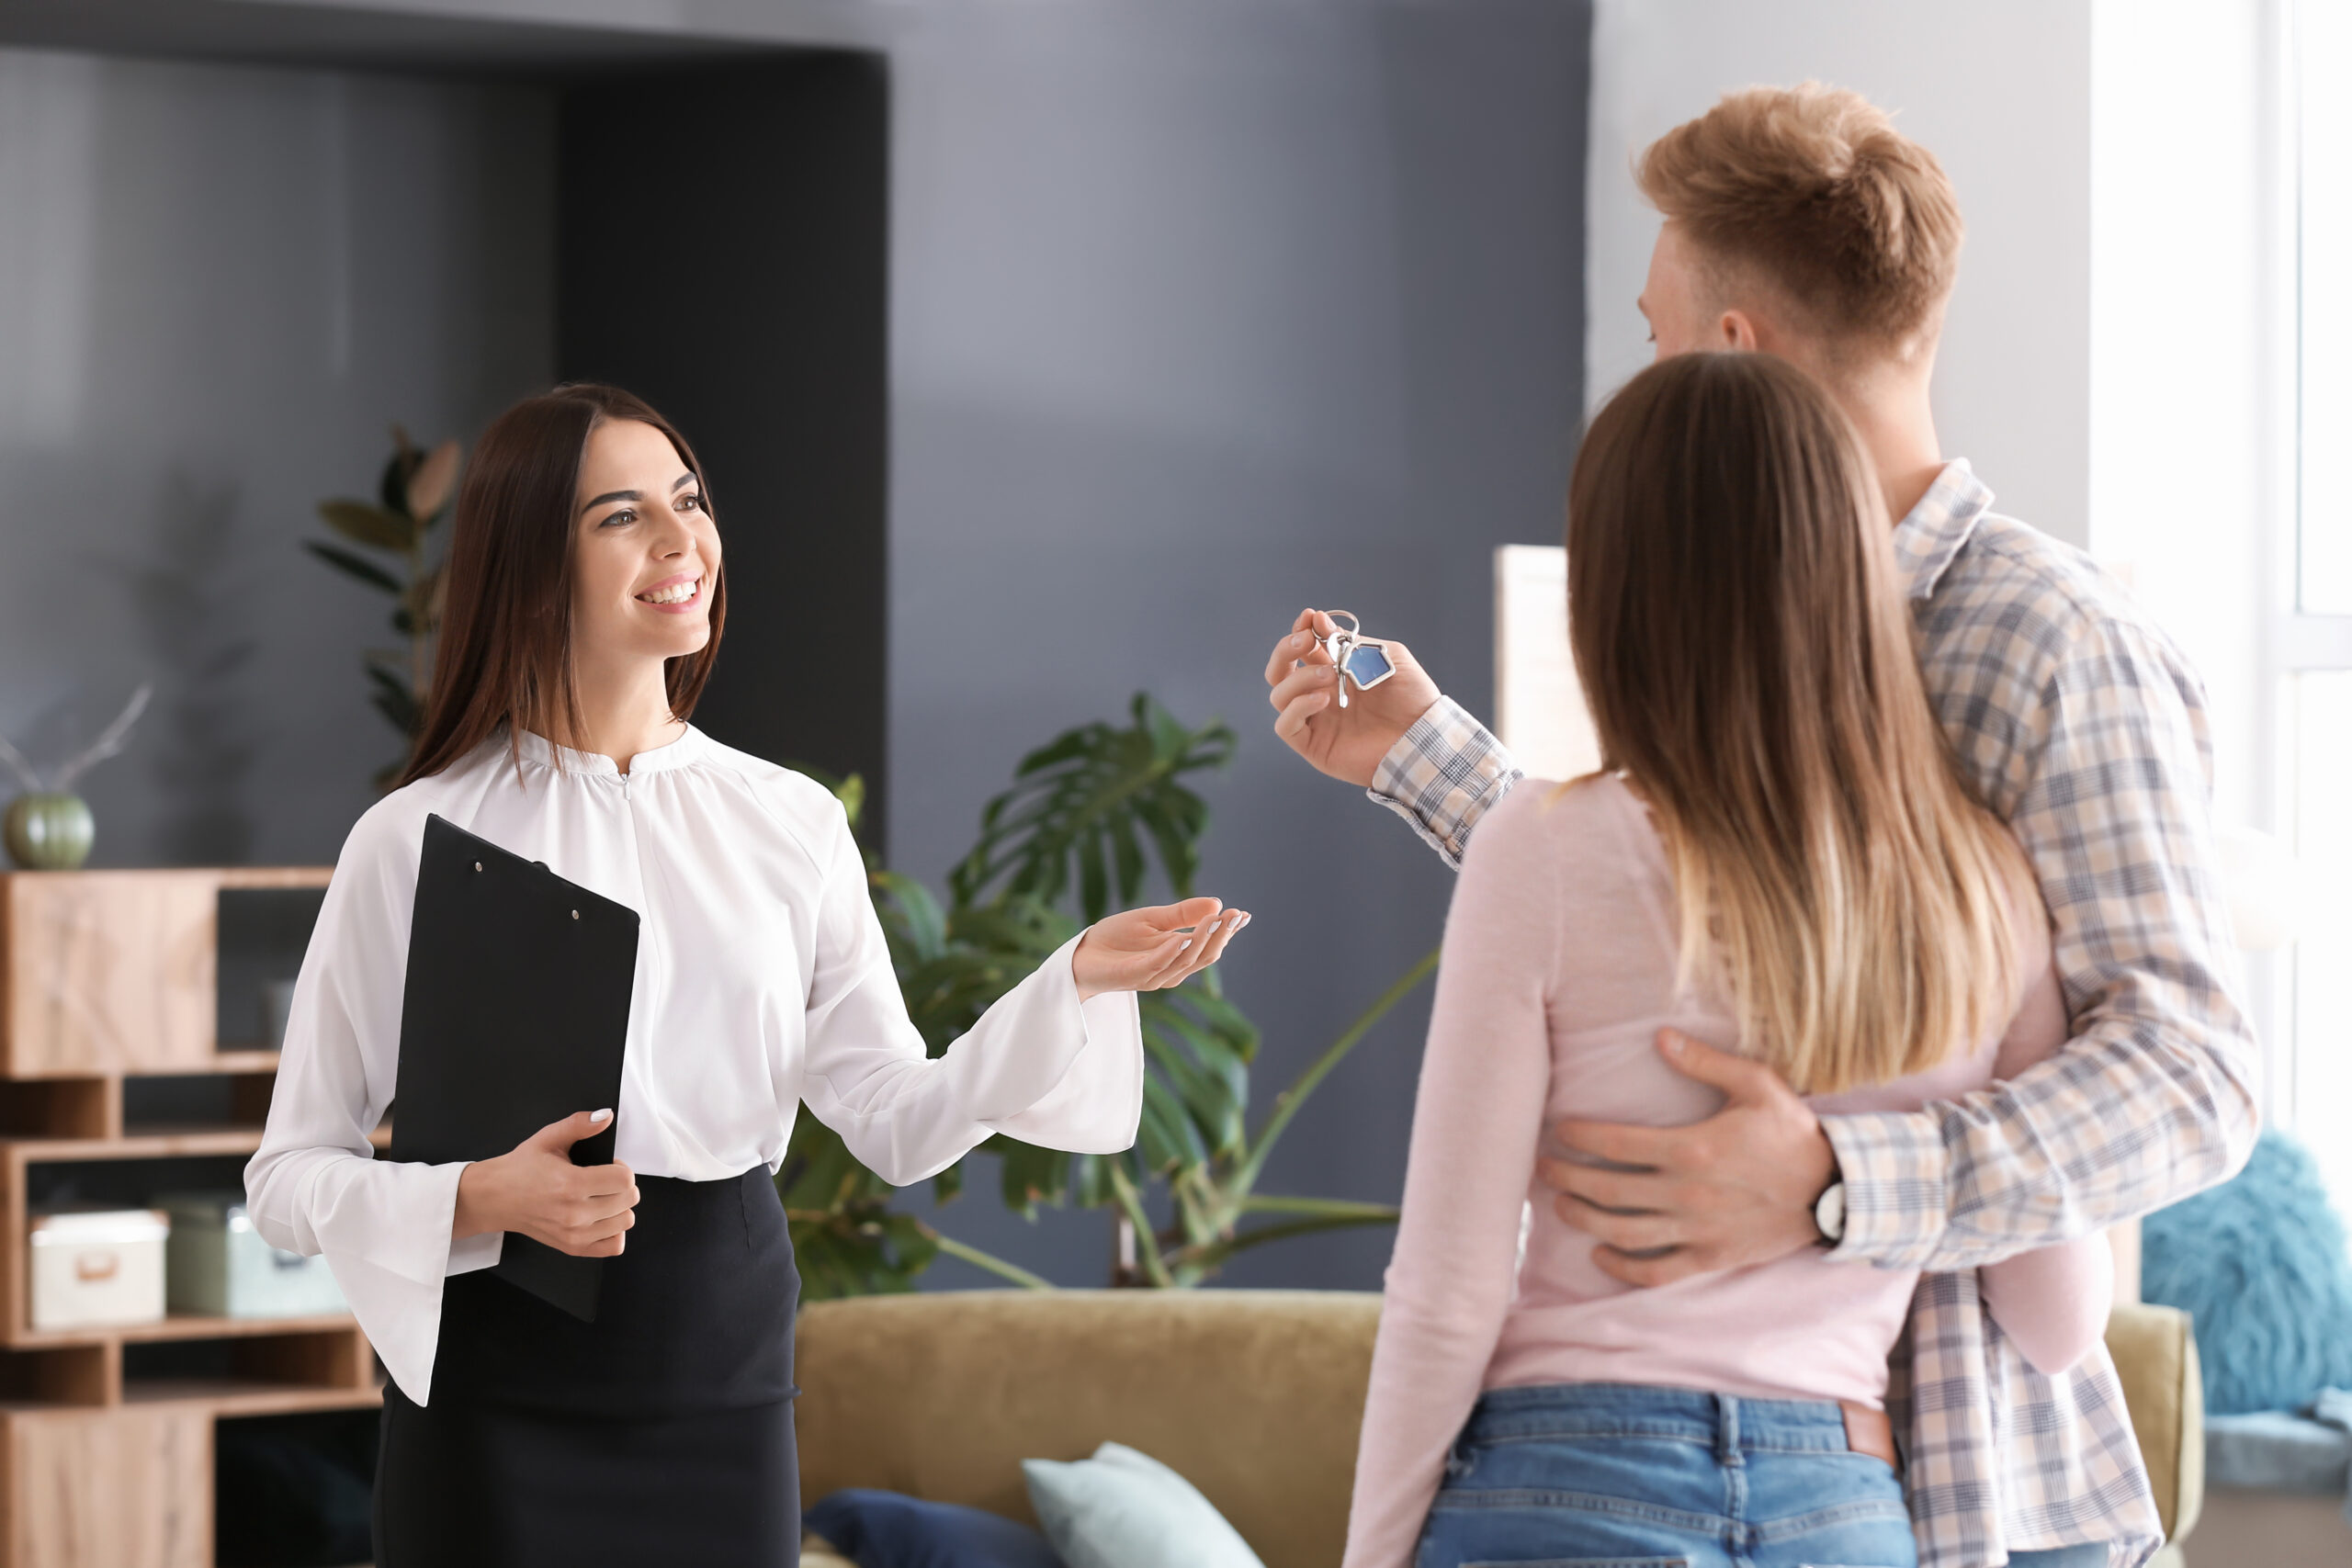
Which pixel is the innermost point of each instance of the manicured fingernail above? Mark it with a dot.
(1182, 945)
(600, 1116)
(1671, 1044)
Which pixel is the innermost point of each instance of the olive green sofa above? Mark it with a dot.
(1255, 1395)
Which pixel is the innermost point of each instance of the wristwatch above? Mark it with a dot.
(1829, 1213)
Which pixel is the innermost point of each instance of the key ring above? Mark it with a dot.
(1358, 657)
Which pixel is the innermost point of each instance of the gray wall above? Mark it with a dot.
(1203, 313)
(218, 286)
(1999, 90)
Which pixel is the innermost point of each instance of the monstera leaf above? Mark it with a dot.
(1084, 807)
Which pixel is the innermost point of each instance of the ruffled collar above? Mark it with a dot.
(687, 748)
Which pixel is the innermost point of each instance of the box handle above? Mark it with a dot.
(92, 1267)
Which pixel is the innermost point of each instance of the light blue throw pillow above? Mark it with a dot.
(1124, 1509)
(2259, 1265)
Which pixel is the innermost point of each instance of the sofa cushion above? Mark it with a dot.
(1125, 1509)
(891, 1529)
(1254, 1396)
(2276, 1450)
(2155, 1359)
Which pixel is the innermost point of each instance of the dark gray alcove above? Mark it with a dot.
(721, 243)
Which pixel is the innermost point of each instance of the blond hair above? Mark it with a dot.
(1813, 193)
(1747, 658)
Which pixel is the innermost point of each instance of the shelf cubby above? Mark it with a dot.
(127, 1069)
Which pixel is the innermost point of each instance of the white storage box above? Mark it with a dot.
(219, 1265)
(101, 1266)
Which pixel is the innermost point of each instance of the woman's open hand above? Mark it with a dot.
(583, 1210)
(1151, 949)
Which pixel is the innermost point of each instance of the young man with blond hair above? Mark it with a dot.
(1800, 224)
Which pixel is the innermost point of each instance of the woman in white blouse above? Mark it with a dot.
(584, 605)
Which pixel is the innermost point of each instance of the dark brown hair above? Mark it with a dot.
(505, 654)
(1747, 655)
(1812, 191)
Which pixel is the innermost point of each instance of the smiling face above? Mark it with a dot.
(645, 550)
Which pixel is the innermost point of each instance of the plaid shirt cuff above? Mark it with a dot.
(1442, 775)
(1899, 1200)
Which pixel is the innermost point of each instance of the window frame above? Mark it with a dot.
(2303, 642)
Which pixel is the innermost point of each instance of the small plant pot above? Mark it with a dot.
(49, 832)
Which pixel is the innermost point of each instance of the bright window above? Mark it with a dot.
(2324, 304)
(2319, 641)
(2322, 1092)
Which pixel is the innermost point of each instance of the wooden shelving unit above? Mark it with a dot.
(109, 979)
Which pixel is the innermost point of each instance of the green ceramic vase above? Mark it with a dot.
(49, 832)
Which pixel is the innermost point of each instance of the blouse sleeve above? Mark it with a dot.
(315, 1185)
(1477, 1124)
(1040, 1065)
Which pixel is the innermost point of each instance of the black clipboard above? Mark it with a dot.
(516, 1014)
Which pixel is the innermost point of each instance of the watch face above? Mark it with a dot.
(1829, 1212)
(1368, 666)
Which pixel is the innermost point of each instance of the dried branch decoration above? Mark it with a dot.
(110, 740)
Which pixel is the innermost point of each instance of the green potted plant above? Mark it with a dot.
(1089, 818)
(396, 530)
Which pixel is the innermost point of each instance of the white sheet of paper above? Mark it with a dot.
(1539, 707)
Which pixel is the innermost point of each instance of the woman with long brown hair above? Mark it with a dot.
(1775, 857)
(585, 600)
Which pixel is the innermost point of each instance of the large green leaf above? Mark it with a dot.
(366, 570)
(1080, 805)
(911, 918)
(391, 486)
(395, 700)
(1201, 1046)
(431, 483)
(371, 525)
(1090, 818)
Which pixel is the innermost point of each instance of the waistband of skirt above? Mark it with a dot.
(694, 1314)
(687, 1188)
(1721, 1421)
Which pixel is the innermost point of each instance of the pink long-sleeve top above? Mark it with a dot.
(1559, 970)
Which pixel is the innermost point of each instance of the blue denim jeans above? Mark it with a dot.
(2093, 1556)
(1616, 1475)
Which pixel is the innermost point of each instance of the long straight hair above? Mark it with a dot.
(1749, 660)
(505, 658)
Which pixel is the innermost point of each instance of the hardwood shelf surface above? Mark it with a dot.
(240, 1059)
(164, 1141)
(181, 1325)
(245, 1396)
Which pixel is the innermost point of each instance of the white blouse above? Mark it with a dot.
(762, 980)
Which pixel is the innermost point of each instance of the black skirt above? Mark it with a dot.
(659, 1434)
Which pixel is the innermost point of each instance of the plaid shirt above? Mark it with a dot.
(2083, 727)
